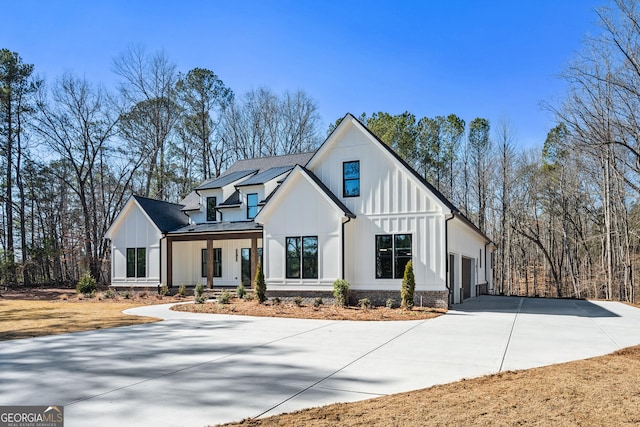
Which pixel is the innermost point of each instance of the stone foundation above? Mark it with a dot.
(435, 299)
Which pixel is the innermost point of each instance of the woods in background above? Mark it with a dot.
(564, 215)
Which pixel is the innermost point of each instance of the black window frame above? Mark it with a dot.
(392, 255)
(211, 210)
(217, 262)
(136, 262)
(346, 179)
(301, 257)
(250, 206)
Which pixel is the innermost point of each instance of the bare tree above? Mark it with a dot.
(150, 113)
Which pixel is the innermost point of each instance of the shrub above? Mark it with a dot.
(201, 299)
(241, 291)
(182, 290)
(341, 292)
(276, 301)
(408, 286)
(143, 294)
(109, 294)
(317, 302)
(298, 301)
(125, 294)
(365, 303)
(225, 297)
(87, 285)
(391, 303)
(199, 290)
(164, 290)
(261, 287)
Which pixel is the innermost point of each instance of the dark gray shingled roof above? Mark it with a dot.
(213, 227)
(165, 215)
(226, 179)
(264, 163)
(265, 176)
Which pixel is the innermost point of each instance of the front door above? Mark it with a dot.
(245, 266)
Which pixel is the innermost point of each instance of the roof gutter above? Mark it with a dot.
(446, 257)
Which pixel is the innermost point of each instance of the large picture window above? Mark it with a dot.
(302, 257)
(393, 252)
(217, 262)
(136, 262)
(252, 205)
(211, 208)
(351, 179)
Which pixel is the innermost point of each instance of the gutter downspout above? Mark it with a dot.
(343, 239)
(446, 257)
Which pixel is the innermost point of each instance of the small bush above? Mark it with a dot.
(199, 290)
(87, 285)
(298, 301)
(164, 290)
(408, 286)
(391, 303)
(125, 294)
(276, 301)
(341, 292)
(182, 291)
(109, 294)
(261, 286)
(249, 297)
(317, 302)
(365, 303)
(241, 291)
(143, 294)
(225, 297)
(200, 299)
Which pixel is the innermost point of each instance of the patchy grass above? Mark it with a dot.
(34, 318)
(292, 310)
(602, 391)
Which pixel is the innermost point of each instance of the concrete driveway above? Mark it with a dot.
(195, 369)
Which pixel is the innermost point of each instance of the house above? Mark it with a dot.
(353, 209)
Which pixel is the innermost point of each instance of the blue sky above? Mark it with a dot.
(491, 59)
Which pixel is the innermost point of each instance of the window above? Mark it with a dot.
(217, 262)
(136, 262)
(211, 208)
(302, 257)
(351, 179)
(252, 205)
(393, 252)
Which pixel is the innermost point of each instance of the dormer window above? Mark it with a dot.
(252, 205)
(351, 179)
(211, 208)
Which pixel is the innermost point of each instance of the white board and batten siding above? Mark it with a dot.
(135, 229)
(304, 211)
(391, 201)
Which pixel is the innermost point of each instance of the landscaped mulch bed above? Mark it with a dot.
(327, 312)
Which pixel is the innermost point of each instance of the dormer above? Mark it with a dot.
(215, 193)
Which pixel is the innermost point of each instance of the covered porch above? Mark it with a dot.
(215, 254)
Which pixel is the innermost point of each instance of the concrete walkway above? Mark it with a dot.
(195, 369)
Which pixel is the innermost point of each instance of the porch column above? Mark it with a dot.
(209, 263)
(254, 260)
(169, 262)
